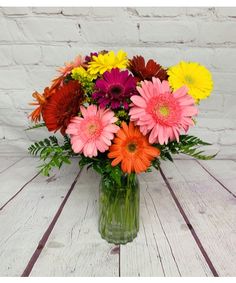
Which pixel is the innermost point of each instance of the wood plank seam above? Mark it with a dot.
(146, 241)
(191, 228)
(158, 255)
(119, 250)
(47, 233)
(218, 181)
(20, 190)
(4, 170)
(192, 158)
(164, 233)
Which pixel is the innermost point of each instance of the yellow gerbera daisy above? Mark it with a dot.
(80, 72)
(193, 75)
(105, 62)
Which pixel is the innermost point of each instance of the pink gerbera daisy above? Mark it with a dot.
(93, 132)
(115, 89)
(160, 112)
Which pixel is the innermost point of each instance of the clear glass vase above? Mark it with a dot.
(119, 209)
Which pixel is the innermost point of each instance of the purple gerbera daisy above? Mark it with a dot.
(115, 89)
(88, 58)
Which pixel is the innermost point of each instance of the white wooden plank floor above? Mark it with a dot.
(48, 226)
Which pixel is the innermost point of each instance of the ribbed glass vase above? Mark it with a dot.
(119, 209)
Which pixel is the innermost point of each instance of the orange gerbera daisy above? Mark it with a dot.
(132, 149)
(66, 70)
(57, 82)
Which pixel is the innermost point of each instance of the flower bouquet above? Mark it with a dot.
(120, 116)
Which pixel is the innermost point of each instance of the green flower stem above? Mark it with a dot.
(119, 210)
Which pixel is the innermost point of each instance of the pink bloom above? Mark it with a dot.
(66, 70)
(160, 112)
(93, 132)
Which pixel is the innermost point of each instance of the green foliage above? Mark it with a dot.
(86, 82)
(102, 165)
(55, 155)
(88, 86)
(40, 125)
(156, 164)
(51, 153)
(188, 145)
(122, 115)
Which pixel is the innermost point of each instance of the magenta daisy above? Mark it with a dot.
(162, 113)
(93, 132)
(115, 89)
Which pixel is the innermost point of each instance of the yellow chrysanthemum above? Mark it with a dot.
(105, 62)
(193, 75)
(80, 72)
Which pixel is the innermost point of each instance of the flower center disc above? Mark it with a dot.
(132, 147)
(189, 79)
(92, 129)
(164, 110)
(116, 91)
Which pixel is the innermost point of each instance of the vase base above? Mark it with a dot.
(118, 238)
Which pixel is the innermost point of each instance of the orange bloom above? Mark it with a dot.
(57, 82)
(66, 70)
(69, 66)
(132, 149)
(40, 101)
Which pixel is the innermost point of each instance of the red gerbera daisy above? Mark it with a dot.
(144, 71)
(41, 100)
(62, 106)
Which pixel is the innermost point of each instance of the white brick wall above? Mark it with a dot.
(35, 41)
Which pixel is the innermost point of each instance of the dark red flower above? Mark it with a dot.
(144, 71)
(62, 106)
(41, 100)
